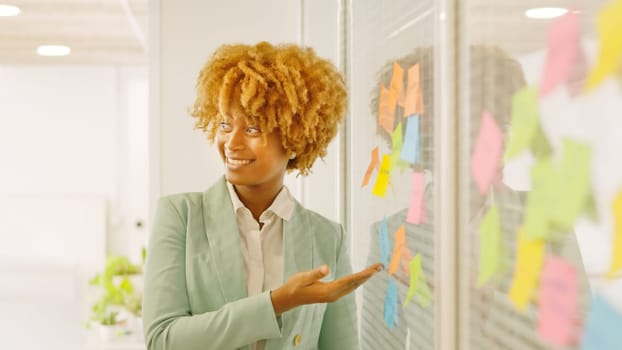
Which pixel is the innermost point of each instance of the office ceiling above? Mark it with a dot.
(97, 31)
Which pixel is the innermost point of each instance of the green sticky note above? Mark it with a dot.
(490, 245)
(424, 295)
(540, 146)
(525, 121)
(573, 183)
(540, 200)
(415, 277)
(396, 148)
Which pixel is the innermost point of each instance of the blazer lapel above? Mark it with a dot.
(223, 236)
(297, 254)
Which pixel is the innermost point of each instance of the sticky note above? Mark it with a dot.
(373, 164)
(413, 100)
(396, 148)
(602, 330)
(418, 284)
(386, 114)
(390, 305)
(397, 79)
(383, 238)
(405, 259)
(557, 315)
(573, 181)
(616, 257)
(384, 176)
(609, 28)
(525, 121)
(529, 261)
(563, 52)
(487, 153)
(490, 245)
(540, 200)
(411, 147)
(416, 199)
(415, 277)
(400, 242)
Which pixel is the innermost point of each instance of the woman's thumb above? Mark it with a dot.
(316, 274)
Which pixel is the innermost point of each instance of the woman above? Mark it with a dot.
(243, 265)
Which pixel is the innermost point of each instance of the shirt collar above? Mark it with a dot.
(282, 206)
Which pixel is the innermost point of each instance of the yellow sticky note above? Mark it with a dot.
(573, 181)
(397, 143)
(525, 121)
(616, 258)
(609, 27)
(384, 176)
(540, 200)
(529, 261)
(490, 245)
(400, 241)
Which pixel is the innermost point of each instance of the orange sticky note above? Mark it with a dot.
(557, 315)
(609, 27)
(384, 176)
(386, 109)
(405, 259)
(372, 165)
(397, 80)
(529, 261)
(487, 153)
(563, 52)
(413, 100)
(400, 241)
(616, 258)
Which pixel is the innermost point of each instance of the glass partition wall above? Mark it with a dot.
(481, 171)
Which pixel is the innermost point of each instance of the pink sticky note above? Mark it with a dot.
(563, 52)
(416, 199)
(558, 302)
(487, 153)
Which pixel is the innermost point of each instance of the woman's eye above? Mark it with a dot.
(253, 130)
(223, 126)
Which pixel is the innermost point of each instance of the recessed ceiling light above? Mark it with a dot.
(53, 50)
(546, 12)
(8, 10)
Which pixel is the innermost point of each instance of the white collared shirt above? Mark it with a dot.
(262, 249)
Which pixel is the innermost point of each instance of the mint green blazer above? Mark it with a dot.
(195, 289)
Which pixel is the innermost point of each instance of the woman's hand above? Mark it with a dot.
(306, 288)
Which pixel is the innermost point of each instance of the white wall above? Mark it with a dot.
(182, 36)
(63, 132)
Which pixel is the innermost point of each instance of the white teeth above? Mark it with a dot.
(238, 161)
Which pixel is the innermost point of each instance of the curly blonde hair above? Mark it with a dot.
(282, 88)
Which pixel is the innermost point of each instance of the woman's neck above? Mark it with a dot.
(257, 198)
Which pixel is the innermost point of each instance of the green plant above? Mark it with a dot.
(116, 288)
(134, 304)
(108, 318)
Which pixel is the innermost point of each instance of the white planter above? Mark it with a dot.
(107, 333)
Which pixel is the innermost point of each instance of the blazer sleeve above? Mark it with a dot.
(339, 327)
(169, 323)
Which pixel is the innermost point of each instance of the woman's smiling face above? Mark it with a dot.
(251, 156)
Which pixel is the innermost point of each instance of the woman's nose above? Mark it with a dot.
(235, 141)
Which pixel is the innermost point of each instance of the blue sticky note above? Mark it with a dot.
(411, 148)
(603, 326)
(385, 246)
(390, 305)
